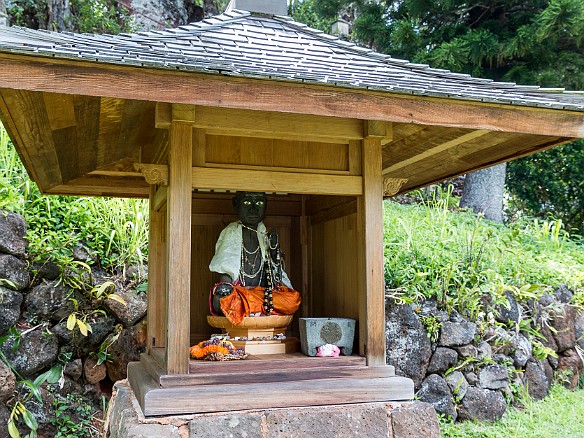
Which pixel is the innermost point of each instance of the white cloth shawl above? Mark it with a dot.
(227, 258)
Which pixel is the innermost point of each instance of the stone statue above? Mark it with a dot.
(250, 264)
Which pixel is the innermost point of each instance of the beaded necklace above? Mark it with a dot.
(267, 264)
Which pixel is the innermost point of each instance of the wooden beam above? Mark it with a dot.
(277, 125)
(264, 124)
(260, 180)
(156, 275)
(163, 115)
(182, 112)
(178, 277)
(160, 198)
(410, 185)
(267, 181)
(372, 294)
(24, 72)
(291, 393)
(375, 128)
(92, 190)
(305, 259)
(436, 150)
(29, 125)
(10, 126)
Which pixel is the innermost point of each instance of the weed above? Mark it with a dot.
(102, 354)
(74, 417)
(432, 325)
(541, 352)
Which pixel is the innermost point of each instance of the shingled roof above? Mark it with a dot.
(83, 110)
(242, 44)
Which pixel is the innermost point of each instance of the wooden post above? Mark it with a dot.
(156, 275)
(179, 214)
(370, 213)
(305, 246)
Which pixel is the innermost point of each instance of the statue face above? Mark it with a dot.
(251, 207)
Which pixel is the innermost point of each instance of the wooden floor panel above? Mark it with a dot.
(263, 382)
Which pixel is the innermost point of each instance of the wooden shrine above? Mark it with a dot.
(256, 102)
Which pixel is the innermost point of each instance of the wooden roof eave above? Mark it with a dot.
(408, 186)
(33, 73)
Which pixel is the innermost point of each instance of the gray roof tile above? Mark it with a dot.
(241, 44)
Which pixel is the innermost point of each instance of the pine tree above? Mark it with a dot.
(525, 41)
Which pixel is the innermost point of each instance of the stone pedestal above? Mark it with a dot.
(256, 334)
(392, 420)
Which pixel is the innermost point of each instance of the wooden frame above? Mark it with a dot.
(79, 77)
(178, 276)
(165, 381)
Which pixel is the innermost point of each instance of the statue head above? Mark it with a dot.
(250, 207)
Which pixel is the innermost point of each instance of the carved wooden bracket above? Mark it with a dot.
(154, 174)
(391, 186)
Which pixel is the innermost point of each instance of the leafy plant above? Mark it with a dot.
(432, 325)
(102, 354)
(459, 259)
(79, 317)
(541, 352)
(74, 417)
(19, 410)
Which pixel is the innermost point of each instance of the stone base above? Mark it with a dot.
(392, 420)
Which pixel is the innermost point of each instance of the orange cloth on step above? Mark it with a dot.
(243, 301)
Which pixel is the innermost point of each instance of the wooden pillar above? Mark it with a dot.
(156, 275)
(179, 213)
(370, 212)
(305, 245)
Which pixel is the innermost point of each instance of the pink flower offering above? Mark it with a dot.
(328, 350)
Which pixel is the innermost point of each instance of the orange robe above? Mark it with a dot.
(243, 301)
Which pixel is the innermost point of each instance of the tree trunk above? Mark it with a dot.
(3, 15)
(483, 192)
(59, 15)
(210, 7)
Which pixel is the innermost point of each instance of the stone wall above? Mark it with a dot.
(464, 369)
(474, 369)
(36, 301)
(160, 14)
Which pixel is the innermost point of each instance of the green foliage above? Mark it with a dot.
(95, 297)
(28, 13)
(100, 16)
(74, 417)
(549, 185)
(459, 259)
(102, 354)
(432, 325)
(115, 229)
(561, 415)
(309, 13)
(93, 16)
(541, 352)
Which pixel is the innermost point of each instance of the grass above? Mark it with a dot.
(560, 415)
(115, 229)
(434, 250)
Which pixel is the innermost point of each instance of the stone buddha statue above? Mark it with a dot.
(250, 264)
